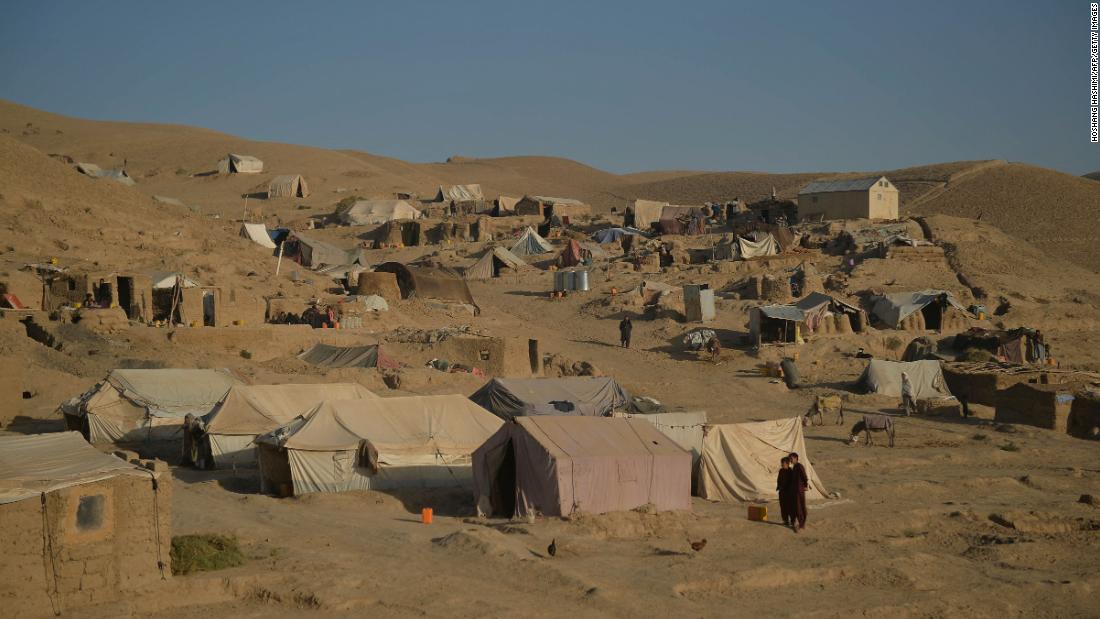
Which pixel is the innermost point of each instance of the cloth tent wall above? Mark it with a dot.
(884, 378)
(370, 212)
(145, 405)
(288, 186)
(460, 193)
(556, 466)
(509, 398)
(531, 244)
(430, 283)
(491, 262)
(892, 309)
(506, 205)
(313, 253)
(248, 411)
(571, 256)
(240, 164)
(419, 442)
(647, 213)
(258, 234)
(328, 356)
(740, 461)
(757, 249)
(686, 428)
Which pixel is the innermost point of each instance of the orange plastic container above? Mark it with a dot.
(758, 512)
(426, 515)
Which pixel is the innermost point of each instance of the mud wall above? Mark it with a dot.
(1035, 405)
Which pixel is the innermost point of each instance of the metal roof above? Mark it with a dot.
(849, 184)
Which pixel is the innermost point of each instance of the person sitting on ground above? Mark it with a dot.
(89, 301)
(862, 354)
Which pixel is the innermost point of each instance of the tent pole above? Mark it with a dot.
(279, 264)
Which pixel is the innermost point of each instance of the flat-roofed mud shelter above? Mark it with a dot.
(439, 283)
(1035, 404)
(561, 465)
(934, 310)
(80, 527)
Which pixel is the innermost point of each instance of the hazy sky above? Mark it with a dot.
(625, 86)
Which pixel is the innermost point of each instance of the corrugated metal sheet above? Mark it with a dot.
(851, 184)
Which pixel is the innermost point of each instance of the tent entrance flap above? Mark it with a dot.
(503, 492)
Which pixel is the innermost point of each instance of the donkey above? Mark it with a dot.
(869, 424)
(821, 405)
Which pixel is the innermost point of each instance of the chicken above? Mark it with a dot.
(552, 549)
(699, 545)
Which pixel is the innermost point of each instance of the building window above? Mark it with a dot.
(90, 512)
(879, 195)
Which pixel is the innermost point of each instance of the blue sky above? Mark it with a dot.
(624, 86)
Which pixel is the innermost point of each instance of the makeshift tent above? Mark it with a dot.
(740, 461)
(766, 246)
(368, 212)
(682, 220)
(531, 244)
(506, 205)
(36, 464)
(314, 253)
(775, 323)
(652, 291)
(492, 262)
(818, 306)
(685, 428)
(288, 186)
(614, 235)
(557, 466)
(575, 395)
(258, 234)
(250, 410)
(94, 171)
(647, 213)
(892, 309)
(571, 256)
(136, 405)
(459, 193)
(328, 356)
(884, 378)
(430, 283)
(166, 280)
(240, 164)
(383, 444)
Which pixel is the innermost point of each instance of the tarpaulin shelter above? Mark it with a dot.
(288, 186)
(766, 246)
(884, 378)
(368, 212)
(248, 411)
(36, 464)
(647, 213)
(506, 205)
(492, 262)
(314, 253)
(740, 461)
(574, 395)
(892, 309)
(571, 256)
(383, 444)
(142, 405)
(775, 323)
(557, 466)
(240, 164)
(94, 171)
(258, 234)
(614, 235)
(682, 220)
(328, 356)
(459, 193)
(437, 283)
(683, 427)
(531, 244)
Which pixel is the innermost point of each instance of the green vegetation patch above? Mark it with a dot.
(204, 553)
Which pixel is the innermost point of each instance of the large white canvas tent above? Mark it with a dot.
(557, 466)
(766, 246)
(240, 164)
(144, 405)
(257, 233)
(531, 244)
(247, 411)
(459, 193)
(647, 213)
(594, 396)
(884, 378)
(288, 186)
(369, 212)
(740, 461)
(683, 427)
(892, 309)
(383, 444)
(492, 262)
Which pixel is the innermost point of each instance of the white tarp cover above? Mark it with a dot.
(740, 461)
(136, 405)
(250, 410)
(754, 249)
(647, 213)
(884, 378)
(460, 193)
(421, 442)
(119, 176)
(531, 244)
(258, 234)
(507, 204)
(38, 463)
(162, 281)
(686, 428)
(369, 212)
(893, 308)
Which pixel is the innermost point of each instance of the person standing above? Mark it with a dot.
(781, 482)
(907, 401)
(625, 327)
(797, 484)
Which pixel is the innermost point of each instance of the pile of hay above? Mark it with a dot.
(204, 553)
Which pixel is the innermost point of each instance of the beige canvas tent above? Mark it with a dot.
(647, 213)
(257, 233)
(506, 205)
(288, 186)
(492, 262)
(684, 427)
(531, 244)
(369, 212)
(459, 193)
(933, 305)
(145, 405)
(225, 435)
(740, 461)
(884, 378)
(240, 164)
(383, 444)
(556, 466)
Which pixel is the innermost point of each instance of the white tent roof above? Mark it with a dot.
(255, 409)
(243, 164)
(740, 461)
(531, 244)
(168, 279)
(460, 193)
(37, 463)
(884, 378)
(367, 212)
(258, 234)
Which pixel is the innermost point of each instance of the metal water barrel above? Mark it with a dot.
(569, 280)
(582, 281)
(559, 280)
